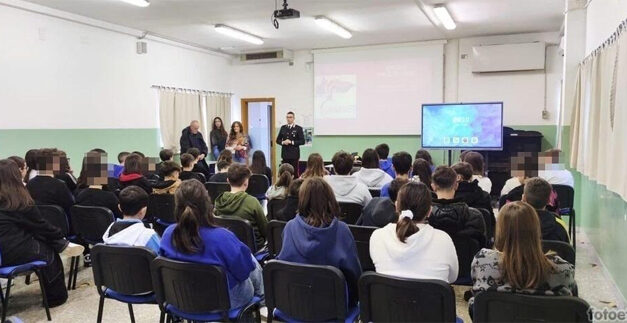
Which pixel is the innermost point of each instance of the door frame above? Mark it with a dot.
(244, 113)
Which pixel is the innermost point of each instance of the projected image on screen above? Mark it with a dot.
(336, 96)
(463, 126)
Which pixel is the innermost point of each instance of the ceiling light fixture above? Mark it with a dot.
(235, 33)
(445, 17)
(333, 27)
(139, 3)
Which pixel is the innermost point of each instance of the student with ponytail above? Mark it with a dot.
(196, 238)
(411, 248)
(279, 190)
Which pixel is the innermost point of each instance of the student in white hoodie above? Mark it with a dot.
(412, 248)
(370, 174)
(130, 230)
(347, 188)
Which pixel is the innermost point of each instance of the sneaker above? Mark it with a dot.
(73, 250)
(87, 260)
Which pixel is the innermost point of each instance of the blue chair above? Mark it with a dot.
(122, 273)
(10, 272)
(196, 292)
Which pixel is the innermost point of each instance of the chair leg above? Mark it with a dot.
(75, 272)
(100, 308)
(573, 217)
(43, 294)
(270, 315)
(130, 311)
(27, 280)
(5, 303)
(162, 317)
(71, 273)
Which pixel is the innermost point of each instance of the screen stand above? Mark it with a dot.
(450, 157)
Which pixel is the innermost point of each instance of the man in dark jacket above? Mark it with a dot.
(290, 137)
(192, 138)
(537, 193)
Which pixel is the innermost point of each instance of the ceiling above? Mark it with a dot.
(370, 21)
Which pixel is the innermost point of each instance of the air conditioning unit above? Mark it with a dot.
(508, 57)
(266, 56)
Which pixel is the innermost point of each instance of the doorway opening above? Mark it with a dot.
(258, 119)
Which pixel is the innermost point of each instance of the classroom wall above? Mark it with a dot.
(78, 87)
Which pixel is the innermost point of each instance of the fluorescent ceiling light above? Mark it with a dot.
(333, 27)
(139, 3)
(445, 17)
(235, 33)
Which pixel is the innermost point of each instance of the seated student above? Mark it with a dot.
(468, 189)
(90, 184)
(222, 166)
(165, 155)
(412, 248)
(554, 172)
(383, 150)
(475, 160)
(424, 154)
(66, 174)
(291, 207)
(130, 230)
(119, 168)
(279, 190)
(537, 193)
(317, 237)
(31, 162)
(370, 174)
(237, 203)
(170, 171)
(381, 210)
(401, 162)
(518, 264)
(452, 215)
(21, 164)
(196, 238)
(315, 167)
(347, 188)
(258, 166)
(44, 188)
(187, 164)
(421, 172)
(26, 236)
(199, 167)
(132, 174)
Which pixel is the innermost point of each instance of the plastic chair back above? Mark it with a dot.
(216, 189)
(161, 206)
(562, 249)
(275, 208)
(258, 185)
(375, 192)
(240, 227)
(124, 269)
(275, 237)
(91, 222)
(56, 216)
(565, 195)
(350, 212)
(466, 249)
(362, 234)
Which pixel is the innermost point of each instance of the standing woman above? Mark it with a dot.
(238, 143)
(218, 137)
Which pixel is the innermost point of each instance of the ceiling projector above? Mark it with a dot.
(285, 13)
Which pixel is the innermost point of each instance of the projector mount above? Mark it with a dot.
(284, 13)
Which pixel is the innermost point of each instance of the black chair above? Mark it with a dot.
(562, 249)
(375, 192)
(385, 298)
(258, 185)
(566, 198)
(121, 273)
(216, 189)
(362, 234)
(275, 237)
(201, 177)
(466, 249)
(56, 216)
(244, 232)
(350, 212)
(306, 293)
(510, 307)
(160, 211)
(90, 223)
(275, 208)
(11, 272)
(490, 225)
(196, 292)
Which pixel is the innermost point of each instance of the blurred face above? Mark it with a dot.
(217, 123)
(236, 128)
(194, 127)
(290, 118)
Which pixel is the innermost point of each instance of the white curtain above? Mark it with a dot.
(176, 111)
(218, 105)
(599, 131)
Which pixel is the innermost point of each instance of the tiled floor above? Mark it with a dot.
(82, 305)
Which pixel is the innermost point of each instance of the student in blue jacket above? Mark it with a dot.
(317, 237)
(196, 238)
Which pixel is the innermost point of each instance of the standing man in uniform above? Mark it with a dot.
(290, 138)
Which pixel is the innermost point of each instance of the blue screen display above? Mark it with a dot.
(463, 126)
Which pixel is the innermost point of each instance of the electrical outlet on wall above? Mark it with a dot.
(545, 114)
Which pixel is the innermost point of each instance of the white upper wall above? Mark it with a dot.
(59, 74)
(603, 16)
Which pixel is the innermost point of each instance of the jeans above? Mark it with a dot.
(241, 294)
(216, 152)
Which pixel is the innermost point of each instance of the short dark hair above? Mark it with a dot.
(222, 164)
(166, 154)
(19, 161)
(444, 177)
(463, 169)
(99, 150)
(290, 112)
(424, 154)
(295, 187)
(47, 158)
(169, 167)
(194, 152)
(395, 186)
(475, 160)
(139, 153)
(383, 150)
(401, 162)
(132, 200)
(238, 174)
(342, 163)
(133, 164)
(370, 159)
(537, 192)
(187, 159)
(122, 155)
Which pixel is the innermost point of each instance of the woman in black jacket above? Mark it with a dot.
(26, 236)
(132, 174)
(218, 136)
